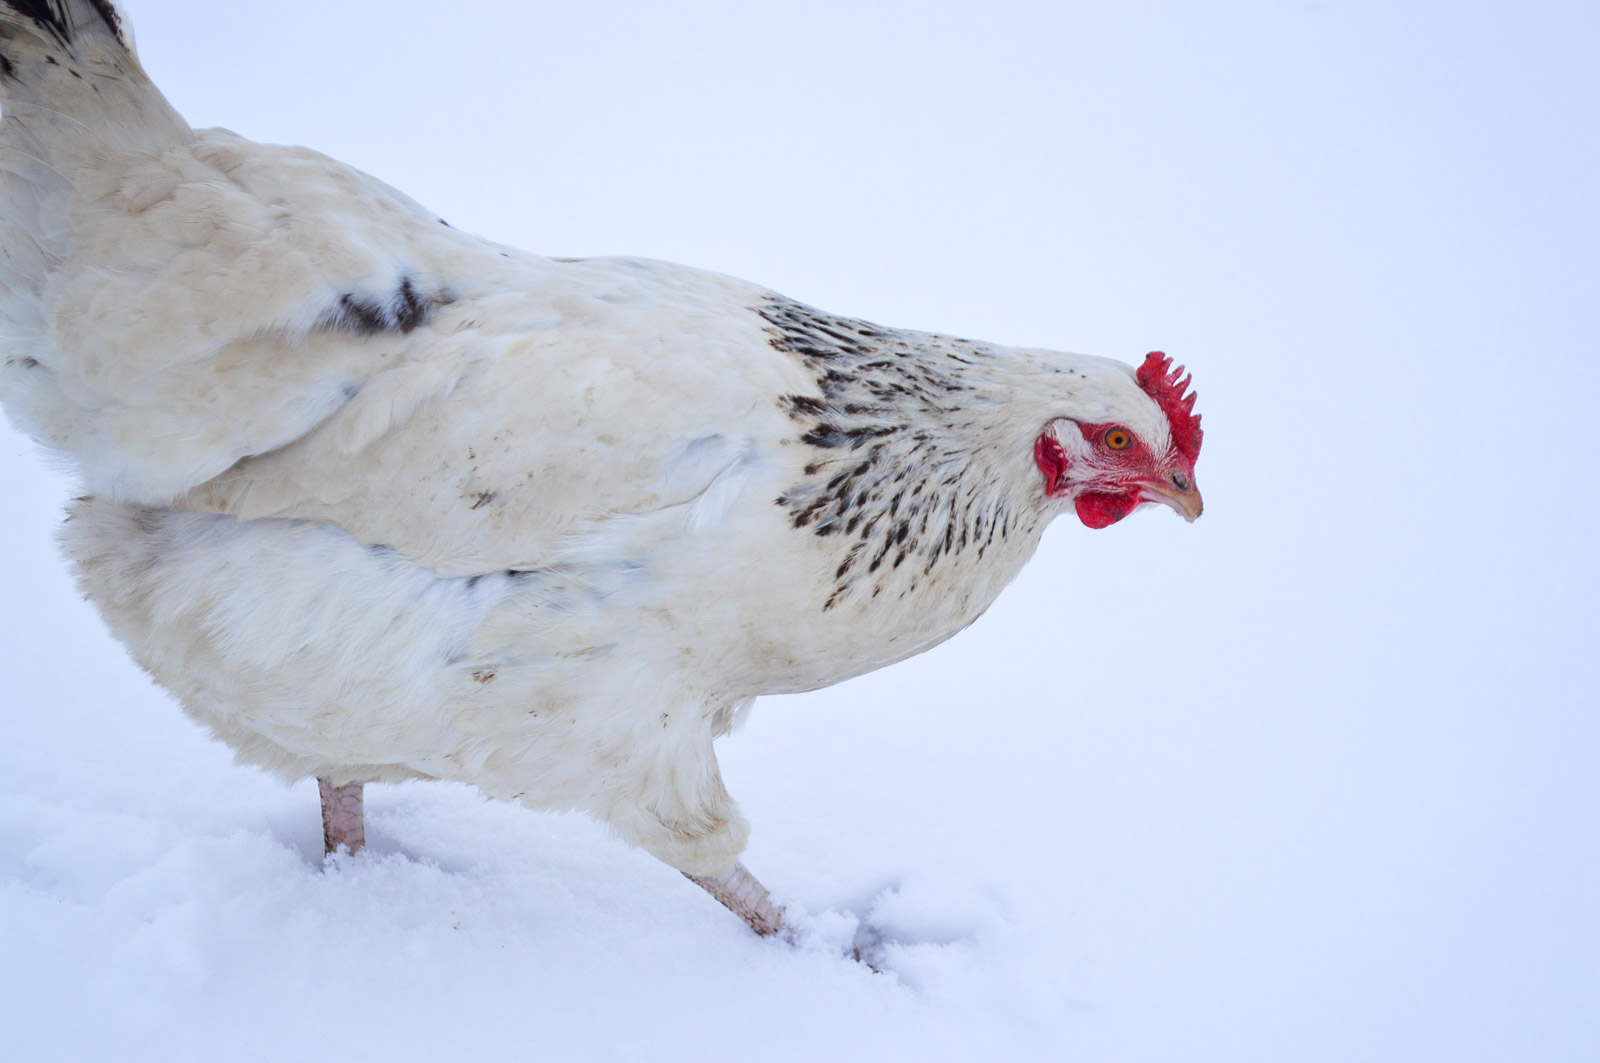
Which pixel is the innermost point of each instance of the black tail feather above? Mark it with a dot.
(55, 16)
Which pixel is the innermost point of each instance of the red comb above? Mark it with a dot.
(1167, 386)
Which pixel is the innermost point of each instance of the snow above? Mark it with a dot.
(1313, 779)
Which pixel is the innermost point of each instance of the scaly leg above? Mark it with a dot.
(742, 895)
(342, 824)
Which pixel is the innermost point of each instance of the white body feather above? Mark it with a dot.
(377, 499)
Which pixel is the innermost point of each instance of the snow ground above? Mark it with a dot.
(1313, 779)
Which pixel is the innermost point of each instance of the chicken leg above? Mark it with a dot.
(342, 817)
(737, 890)
(741, 894)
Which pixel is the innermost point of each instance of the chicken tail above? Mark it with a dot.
(73, 96)
(71, 86)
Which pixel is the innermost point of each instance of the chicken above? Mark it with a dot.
(377, 500)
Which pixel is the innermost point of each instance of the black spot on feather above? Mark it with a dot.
(410, 309)
(358, 316)
(402, 311)
(800, 406)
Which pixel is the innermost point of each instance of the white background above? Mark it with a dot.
(1313, 779)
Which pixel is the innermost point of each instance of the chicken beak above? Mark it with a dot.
(1179, 492)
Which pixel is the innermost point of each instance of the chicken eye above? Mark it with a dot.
(1117, 439)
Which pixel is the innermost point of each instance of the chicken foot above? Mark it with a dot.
(744, 896)
(740, 892)
(342, 817)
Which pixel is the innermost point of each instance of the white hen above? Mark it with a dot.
(380, 500)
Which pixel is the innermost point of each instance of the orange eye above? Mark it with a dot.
(1118, 439)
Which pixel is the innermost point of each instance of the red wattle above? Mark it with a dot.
(1099, 509)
